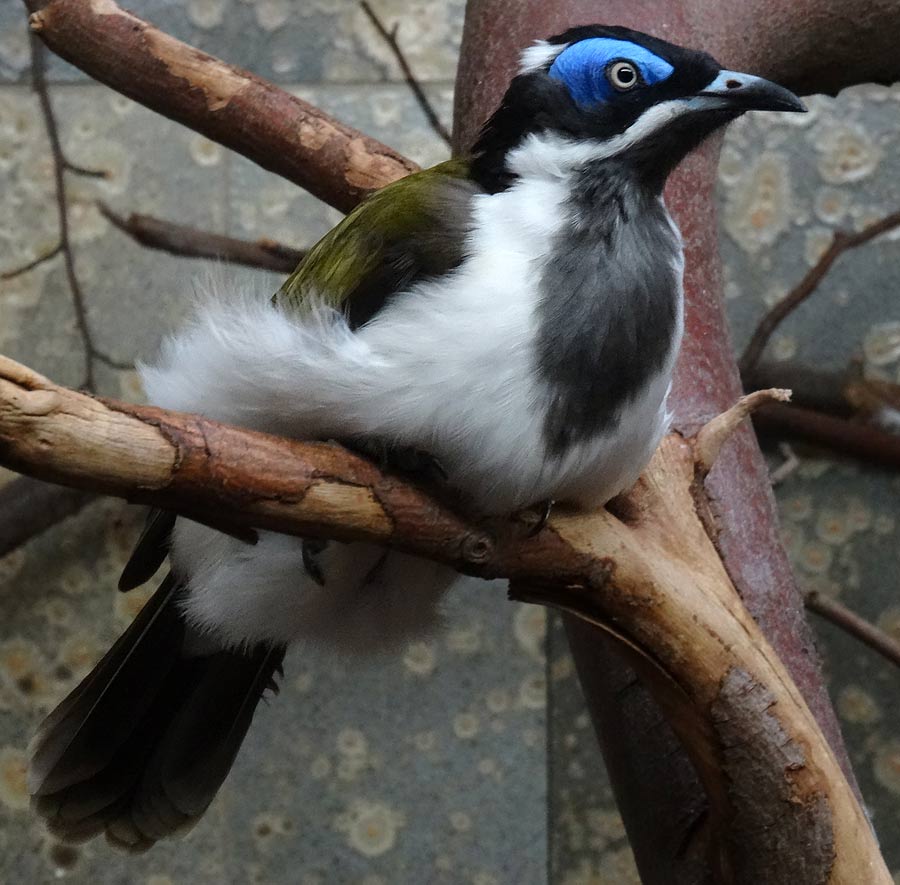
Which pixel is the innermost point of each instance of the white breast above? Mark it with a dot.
(462, 352)
(446, 367)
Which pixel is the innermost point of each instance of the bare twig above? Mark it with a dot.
(84, 171)
(709, 441)
(37, 262)
(857, 440)
(192, 242)
(241, 111)
(840, 243)
(854, 624)
(787, 467)
(390, 37)
(29, 507)
(91, 352)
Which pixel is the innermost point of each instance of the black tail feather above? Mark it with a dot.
(79, 739)
(225, 699)
(140, 748)
(150, 551)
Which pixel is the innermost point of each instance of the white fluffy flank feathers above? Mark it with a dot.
(244, 361)
(373, 600)
(442, 368)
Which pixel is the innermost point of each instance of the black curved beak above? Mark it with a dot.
(732, 90)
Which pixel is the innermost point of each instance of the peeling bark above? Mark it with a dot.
(751, 735)
(243, 112)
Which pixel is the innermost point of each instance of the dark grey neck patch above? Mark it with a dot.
(609, 298)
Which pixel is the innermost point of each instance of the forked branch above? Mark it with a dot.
(656, 580)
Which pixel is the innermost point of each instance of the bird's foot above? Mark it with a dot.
(534, 518)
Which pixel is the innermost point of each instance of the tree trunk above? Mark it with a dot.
(809, 46)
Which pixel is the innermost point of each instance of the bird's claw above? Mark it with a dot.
(535, 517)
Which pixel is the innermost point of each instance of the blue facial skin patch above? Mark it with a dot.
(582, 67)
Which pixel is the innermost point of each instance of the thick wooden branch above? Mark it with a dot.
(652, 578)
(810, 46)
(277, 130)
(212, 471)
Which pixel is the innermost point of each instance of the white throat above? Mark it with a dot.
(549, 154)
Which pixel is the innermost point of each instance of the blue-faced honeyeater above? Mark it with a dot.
(514, 314)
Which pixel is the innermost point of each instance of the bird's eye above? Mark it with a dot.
(622, 75)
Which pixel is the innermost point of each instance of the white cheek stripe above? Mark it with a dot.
(556, 155)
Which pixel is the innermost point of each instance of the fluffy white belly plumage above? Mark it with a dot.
(447, 367)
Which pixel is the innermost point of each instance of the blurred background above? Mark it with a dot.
(468, 758)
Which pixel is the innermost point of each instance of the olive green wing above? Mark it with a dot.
(413, 229)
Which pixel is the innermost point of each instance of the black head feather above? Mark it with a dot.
(536, 102)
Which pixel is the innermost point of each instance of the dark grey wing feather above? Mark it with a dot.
(201, 745)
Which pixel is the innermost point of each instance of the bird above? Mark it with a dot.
(511, 317)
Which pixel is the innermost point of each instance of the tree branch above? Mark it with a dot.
(209, 470)
(841, 242)
(812, 388)
(857, 626)
(192, 242)
(241, 111)
(809, 46)
(390, 38)
(863, 441)
(655, 582)
(60, 165)
(30, 507)
(844, 412)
